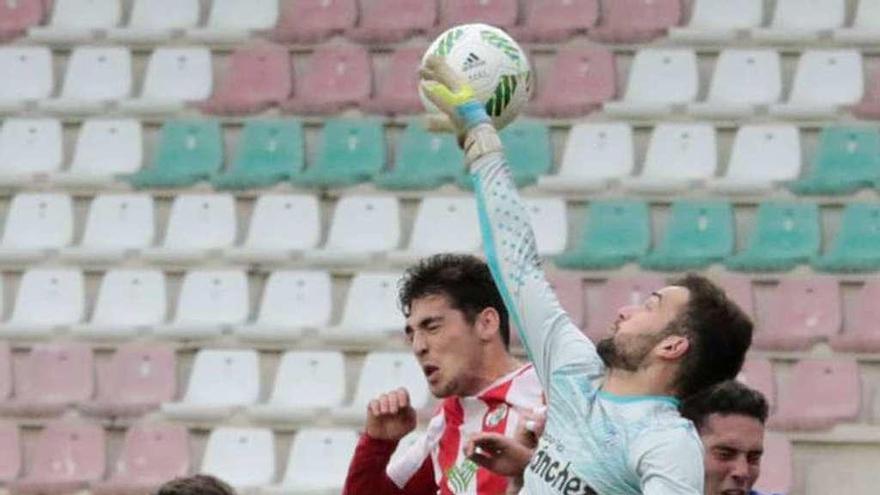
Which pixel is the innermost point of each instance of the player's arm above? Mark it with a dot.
(669, 463)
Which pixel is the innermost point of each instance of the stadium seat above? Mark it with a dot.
(679, 157)
(719, 21)
(579, 82)
(95, 77)
(258, 76)
(442, 225)
(743, 81)
(11, 452)
(794, 22)
(371, 314)
(869, 107)
(17, 17)
(243, 457)
(350, 151)
(137, 380)
(221, 382)
(313, 21)
(857, 473)
(785, 235)
(698, 234)
(865, 27)
(528, 152)
(739, 289)
(836, 381)
(198, 226)
(763, 157)
(37, 224)
(156, 21)
(549, 219)
(308, 384)
(280, 226)
(860, 333)
(569, 289)
(5, 374)
(129, 302)
(211, 301)
(381, 373)
(398, 89)
(392, 21)
(293, 301)
(847, 159)
(554, 21)
(595, 154)
(174, 78)
(117, 226)
(66, 457)
(188, 151)
(803, 312)
(499, 13)
(234, 21)
(616, 232)
(52, 378)
(362, 228)
(424, 160)
(616, 293)
(856, 248)
(824, 81)
(338, 77)
(758, 374)
(48, 300)
(318, 461)
(636, 21)
(105, 150)
(776, 465)
(76, 21)
(26, 74)
(30, 150)
(152, 453)
(660, 80)
(268, 152)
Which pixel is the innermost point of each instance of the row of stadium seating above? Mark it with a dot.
(578, 81)
(625, 21)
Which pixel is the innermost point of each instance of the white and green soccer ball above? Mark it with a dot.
(492, 62)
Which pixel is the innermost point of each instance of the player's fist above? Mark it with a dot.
(498, 453)
(390, 416)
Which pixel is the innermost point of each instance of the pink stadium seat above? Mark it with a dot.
(739, 289)
(67, 456)
(758, 374)
(869, 107)
(552, 21)
(617, 293)
(391, 21)
(580, 80)
(338, 77)
(569, 289)
(5, 371)
(137, 380)
(820, 393)
(151, 455)
(311, 21)
(17, 16)
(776, 465)
(10, 452)
(633, 21)
(862, 331)
(801, 312)
(498, 13)
(51, 378)
(398, 89)
(258, 77)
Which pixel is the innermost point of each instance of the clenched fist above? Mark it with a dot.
(390, 416)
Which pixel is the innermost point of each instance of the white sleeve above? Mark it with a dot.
(669, 462)
(550, 338)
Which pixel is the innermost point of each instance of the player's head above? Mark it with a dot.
(730, 418)
(199, 484)
(690, 327)
(455, 321)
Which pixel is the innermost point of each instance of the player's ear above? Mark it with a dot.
(487, 324)
(673, 347)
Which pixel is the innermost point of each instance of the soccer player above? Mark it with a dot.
(613, 426)
(457, 326)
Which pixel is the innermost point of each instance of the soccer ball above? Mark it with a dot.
(492, 62)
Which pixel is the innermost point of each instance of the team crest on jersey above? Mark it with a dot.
(497, 416)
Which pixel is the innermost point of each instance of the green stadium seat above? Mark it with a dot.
(785, 235)
(269, 151)
(848, 159)
(616, 232)
(857, 245)
(425, 160)
(189, 151)
(527, 148)
(350, 151)
(698, 234)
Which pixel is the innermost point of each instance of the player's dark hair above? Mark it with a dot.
(199, 484)
(464, 279)
(719, 332)
(725, 398)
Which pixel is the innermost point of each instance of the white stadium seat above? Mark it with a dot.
(210, 302)
(30, 149)
(293, 302)
(235, 20)
(824, 81)
(718, 21)
(26, 75)
(550, 224)
(47, 300)
(78, 20)
(130, 301)
(117, 225)
(362, 227)
(679, 157)
(307, 385)
(383, 372)
(371, 314)
(175, 77)
(154, 21)
(242, 457)
(659, 80)
(199, 225)
(95, 77)
(865, 27)
(281, 225)
(221, 382)
(797, 21)
(105, 149)
(595, 154)
(442, 225)
(742, 81)
(318, 462)
(36, 225)
(763, 156)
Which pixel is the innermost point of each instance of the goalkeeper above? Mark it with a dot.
(613, 426)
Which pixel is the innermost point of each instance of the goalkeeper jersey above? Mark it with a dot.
(594, 442)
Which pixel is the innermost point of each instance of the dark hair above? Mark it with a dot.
(199, 484)
(725, 398)
(464, 279)
(720, 333)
